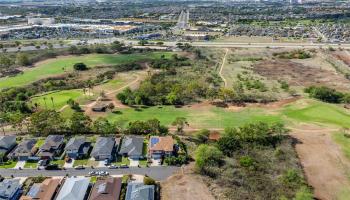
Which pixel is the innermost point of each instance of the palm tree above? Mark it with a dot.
(45, 102)
(53, 104)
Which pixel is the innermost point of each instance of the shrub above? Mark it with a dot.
(148, 181)
(246, 161)
(207, 156)
(80, 66)
(304, 193)
(172, 160)
(324, 94)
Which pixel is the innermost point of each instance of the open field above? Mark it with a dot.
(205, 117)
(297, 74)
(62, 65)
(318, 112)
(325, 166)
(209, 116)
(57, 100)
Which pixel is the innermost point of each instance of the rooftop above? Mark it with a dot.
(161, 143)
(107, 189)
(74, 188)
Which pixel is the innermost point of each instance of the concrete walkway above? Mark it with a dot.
(20, 164)
(69, 165)
(134, 163)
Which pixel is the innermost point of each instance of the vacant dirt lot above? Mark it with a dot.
(297, 74)
(324, 164)
(185, 186)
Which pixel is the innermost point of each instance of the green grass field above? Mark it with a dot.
(319, 112)
(213, 117)
(60, 98)
(208, 117)
(344, 143)
(65, 64)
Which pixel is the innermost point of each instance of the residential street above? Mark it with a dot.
(158, 173)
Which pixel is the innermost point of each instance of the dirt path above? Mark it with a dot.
(324, 164)
(222, 67)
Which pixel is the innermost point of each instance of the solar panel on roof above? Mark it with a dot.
(154, 141)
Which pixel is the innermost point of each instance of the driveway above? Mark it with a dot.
(20, 164)
(134, 163)
(101, 164)
(69, 165)
(156, 162)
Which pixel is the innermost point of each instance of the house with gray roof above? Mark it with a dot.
(10, 189)
(132, 146)
(77, 147)
(74, 188)
(7, 143)
(52, 147)
(24, 150)
(103, 148)
(139, 191)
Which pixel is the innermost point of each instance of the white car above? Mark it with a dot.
(113, 167)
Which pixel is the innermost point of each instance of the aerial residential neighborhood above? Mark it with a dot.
(103, 152)
(175, 100)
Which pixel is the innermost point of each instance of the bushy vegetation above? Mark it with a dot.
(255, 161)
(80, 66)
(165, 63)
(151, 126)
(176, 160)
(174, 85)
(327, 94)
(297, 54)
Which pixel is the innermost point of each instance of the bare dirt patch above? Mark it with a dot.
(343, 56)
(325, 166)
(297, 74)
(185, 186)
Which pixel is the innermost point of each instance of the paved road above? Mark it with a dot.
(213, 44)
(158, 173)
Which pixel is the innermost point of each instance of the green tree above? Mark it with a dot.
(5, 62)
(143, 42)
(22, 59)
(80, 123)
(207, 156)
(117, 46)
(80, 66)
(180, 123)
(102, 126)
(202, 136)
(46, 122)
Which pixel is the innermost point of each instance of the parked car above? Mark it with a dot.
(52, 167)
(113, 167)
(79, 167)
(92, 173)
(106, 162)
(124, 166)
(103, 173)
(43, 162)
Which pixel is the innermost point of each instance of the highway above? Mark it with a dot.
(158, 173)
(213, 44)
